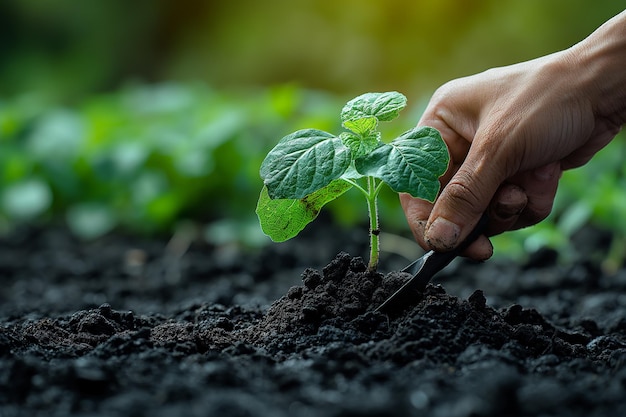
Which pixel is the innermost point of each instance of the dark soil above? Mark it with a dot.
(124, 327)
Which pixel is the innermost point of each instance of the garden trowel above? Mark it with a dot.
(423, 269)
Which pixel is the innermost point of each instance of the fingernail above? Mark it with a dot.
(442, 234)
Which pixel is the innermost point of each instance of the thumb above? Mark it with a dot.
(462, 202)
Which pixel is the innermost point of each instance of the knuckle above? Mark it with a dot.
(460, 195)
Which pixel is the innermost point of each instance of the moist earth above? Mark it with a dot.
(130, 327)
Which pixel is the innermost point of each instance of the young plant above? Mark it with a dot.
(309, 168)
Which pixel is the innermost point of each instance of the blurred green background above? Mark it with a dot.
(67, 49)
(154, 115)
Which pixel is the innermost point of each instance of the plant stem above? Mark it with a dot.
(371, 195)
(372, 208)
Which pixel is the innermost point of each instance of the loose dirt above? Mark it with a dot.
(126, 327)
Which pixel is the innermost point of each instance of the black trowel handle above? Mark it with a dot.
(425, 268)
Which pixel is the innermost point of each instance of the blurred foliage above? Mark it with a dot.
(142, 115)
(148, 156)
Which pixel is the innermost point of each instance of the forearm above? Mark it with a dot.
(601, 57)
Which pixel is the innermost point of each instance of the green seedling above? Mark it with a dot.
(310, 167)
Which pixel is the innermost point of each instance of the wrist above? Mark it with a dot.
(598, 63)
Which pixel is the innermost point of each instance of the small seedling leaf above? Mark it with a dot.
(383, 106)
(304, 162)
(361, 145)
(282, 219)
(410, 164)
(364, 126)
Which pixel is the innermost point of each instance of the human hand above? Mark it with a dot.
(511, 132)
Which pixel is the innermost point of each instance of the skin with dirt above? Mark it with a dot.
(123, 327)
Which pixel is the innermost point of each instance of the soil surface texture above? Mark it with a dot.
(129, 327)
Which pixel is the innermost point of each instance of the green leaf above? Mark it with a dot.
(91, 220)
(410, 164)
(364, 126)
(304, 162)
(26, 199)
(282, 219)
(361, 145)
(383, 106)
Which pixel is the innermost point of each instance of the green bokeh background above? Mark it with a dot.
(68, 48)
(152, 114)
